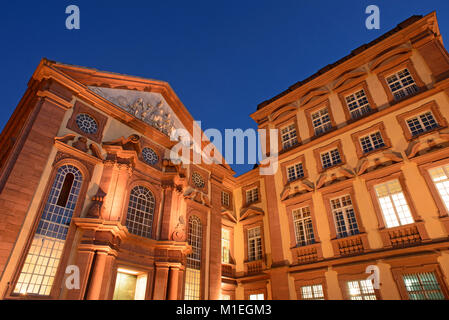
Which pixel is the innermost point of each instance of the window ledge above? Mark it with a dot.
(404, 236)
(351, 245)
(307, 254)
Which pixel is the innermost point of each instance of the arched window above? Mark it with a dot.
(41, 263)
(193, 269)
(140, 212)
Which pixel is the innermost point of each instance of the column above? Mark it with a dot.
(173, 282)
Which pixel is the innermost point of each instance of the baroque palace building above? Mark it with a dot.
(363, 184)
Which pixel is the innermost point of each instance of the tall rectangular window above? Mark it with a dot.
(344, 216)
(393, 204)
(295, 172)
(252, 195)
(289, 136)
(423, 286)
(358, 104)
(302, 222)
(314, 292)
(361, 290)
(225, 199)
(43, 257)
(440, 177)
(321, 121)
(225, 245)
(422, 123)
(330, 158)
(372, 142)
(254, 244)
(192, 290)
(402, 84)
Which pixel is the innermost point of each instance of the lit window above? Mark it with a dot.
(130, 285)
(289, 136)
(361, 290)
(149, 156)
(321, 121)
(422, 123)
(139, 219)
(193, 267)
(314, 292)
(402, 84)
(330, 158)
(254, 244)
(86, 123)
(372, 142)
(258, 296)
(42, 261)
(225, 245)
(252, 195)
(344, 216)
(295, 172)
(358, 104)
(225, 199)
(423, 286)
(440, 177)
(302, 222)
(395, 209)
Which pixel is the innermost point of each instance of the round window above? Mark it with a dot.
(198, 180)
(86, 123)
(149, 156)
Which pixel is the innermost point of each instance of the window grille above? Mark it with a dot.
(139, 219)
(43, 257)
(393, 204)
(193, 268)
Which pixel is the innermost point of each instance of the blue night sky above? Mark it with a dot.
(222, 58)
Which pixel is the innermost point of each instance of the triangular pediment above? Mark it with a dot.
(150, 107)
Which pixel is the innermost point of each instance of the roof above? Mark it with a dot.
(404, 24)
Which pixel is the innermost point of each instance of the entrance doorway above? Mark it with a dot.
(130, 285)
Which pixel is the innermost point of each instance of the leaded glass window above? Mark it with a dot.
(344, 216)
(139, 219)
(86, 123)
(193, 268)
(43, 257)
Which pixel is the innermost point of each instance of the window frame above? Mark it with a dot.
(286, 164)
(86, 172)
(406, 64)
(338, 192)
(342, 94)
(417, 267)
(82, 108)
(295, 128)
(431, 106)
(327, 148)
(309, 110)
(250, 187)
(378, 127)
(385, 177)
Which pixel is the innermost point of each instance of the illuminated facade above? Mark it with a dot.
(363, 183)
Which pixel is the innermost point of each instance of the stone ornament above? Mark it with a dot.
(150, 107)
